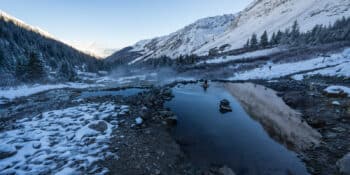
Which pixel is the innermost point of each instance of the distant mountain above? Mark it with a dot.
(184, 41)
(26, 51)
(229, 32)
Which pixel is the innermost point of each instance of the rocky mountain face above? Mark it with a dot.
(228, 32)
(29, 54)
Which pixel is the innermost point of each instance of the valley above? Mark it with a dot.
(281, 67)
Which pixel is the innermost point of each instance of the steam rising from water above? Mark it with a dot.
(142, 76)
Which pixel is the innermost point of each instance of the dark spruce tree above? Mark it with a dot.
(247, 44)
(35, 68)
(254, 41)
(264, 40)
(273, 40)
(21, 70)
(295, 33)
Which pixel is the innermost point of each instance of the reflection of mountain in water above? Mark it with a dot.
(279, 120)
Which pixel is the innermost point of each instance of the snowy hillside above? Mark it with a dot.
(22, 24)
(29, 54)
(184, 41)
(232, 31)
(274, 15)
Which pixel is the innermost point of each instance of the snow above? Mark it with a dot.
(60, 142)
(248, 55)
(337, 71)
(5, 148)
(67, 171)
(279, 70)
(337, 89)
(234, 30)
(335, 103)
(185, 40)
(274, 15)
(139, 120)
(26, 90)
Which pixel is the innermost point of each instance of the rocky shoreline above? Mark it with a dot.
(143, 143)
(329, 115)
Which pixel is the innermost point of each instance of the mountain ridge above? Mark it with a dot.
(260, 15)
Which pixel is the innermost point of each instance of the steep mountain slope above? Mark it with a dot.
(232, 31)
(28, 53)
(274, 15)
(184, 41)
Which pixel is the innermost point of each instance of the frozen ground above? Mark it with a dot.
(248, 55)
(65, 141)
(336, 64)
(26, 90)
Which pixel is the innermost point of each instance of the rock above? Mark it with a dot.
(225, 106)
(336, 103)
(171, 121)
(36, 145)
(139, 121)
(100, 126)
(226, 171)
(317, 123)
(344, 165)
(334, 92)
(7, 151)
(294, 99)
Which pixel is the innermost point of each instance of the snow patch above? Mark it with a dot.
(60, 142)
(26, 90)
(337, 90)
(248, 55)
(270, 71)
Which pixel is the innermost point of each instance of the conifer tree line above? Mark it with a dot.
(320, 34)
(26, 55)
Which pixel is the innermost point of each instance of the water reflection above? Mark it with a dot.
(233, 139)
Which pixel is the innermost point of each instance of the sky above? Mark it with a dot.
(96, 25)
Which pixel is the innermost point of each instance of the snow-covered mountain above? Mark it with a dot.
(184, 41)
(232, 31)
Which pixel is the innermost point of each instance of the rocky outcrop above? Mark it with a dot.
(344, 165)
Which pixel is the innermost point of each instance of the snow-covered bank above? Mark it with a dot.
(338, 90)
(270, 71)
(26, 90)
(60, 141)
(248, 55)
(342, 70)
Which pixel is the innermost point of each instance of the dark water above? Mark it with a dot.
(125, 93)
(233, 139)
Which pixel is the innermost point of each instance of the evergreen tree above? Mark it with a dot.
(264, 40)
(2, 59)
(247, 44)
(20, 70)
(35, 67)
(295, 33)
(279, 36)
(254, 41)
(273, 40)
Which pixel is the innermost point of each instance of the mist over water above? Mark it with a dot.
(157, 76)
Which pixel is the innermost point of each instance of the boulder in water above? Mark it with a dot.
(225, 106)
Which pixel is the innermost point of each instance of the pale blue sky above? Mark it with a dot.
(115, 23)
